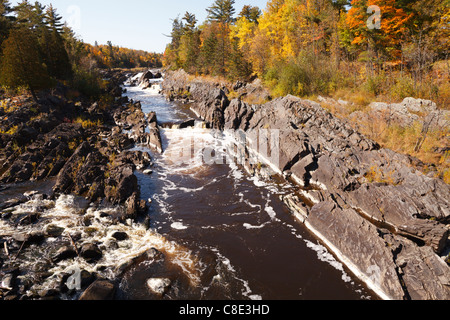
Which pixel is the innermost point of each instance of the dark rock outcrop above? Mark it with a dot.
(100, 290)
(381, 216)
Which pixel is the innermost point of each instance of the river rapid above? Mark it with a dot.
(243, 241)
(220, 233)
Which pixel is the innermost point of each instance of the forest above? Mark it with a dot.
(307, 47)
(358, 52)
(38, 49)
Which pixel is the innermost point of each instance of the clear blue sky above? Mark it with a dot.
(136, 24)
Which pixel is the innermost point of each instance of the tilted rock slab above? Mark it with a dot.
(385, 220)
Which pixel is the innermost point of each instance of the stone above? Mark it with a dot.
(187, 124)
(120, 235)
(100, 290)
(426, 275)
(426, 232)
(64, 253)
(159, 286)
(53, 231)
(91, 252)
(29, 238)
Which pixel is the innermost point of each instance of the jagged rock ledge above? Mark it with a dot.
(78, 148)
(382, 217)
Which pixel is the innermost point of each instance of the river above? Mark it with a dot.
(233, 236)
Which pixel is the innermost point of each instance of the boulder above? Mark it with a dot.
(64, 253)
(187, 124)
(145, 76)
(90, 252)
(120, 236)
(159, 286)
(100, 290)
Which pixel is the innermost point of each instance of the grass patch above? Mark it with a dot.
(87, 123)
(12, 130)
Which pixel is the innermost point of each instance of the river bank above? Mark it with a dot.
(114, 211)
(379, 214)
(69, 193)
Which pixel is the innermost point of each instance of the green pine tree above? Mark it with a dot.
(238, 67)
(221, 11)
(252, 14)
(21, 65)
(52, 45)
(5, 20)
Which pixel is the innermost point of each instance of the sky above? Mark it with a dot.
(134, 24)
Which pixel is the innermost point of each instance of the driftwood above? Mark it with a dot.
(73, 244)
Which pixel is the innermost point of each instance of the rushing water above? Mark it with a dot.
(223, 233)
(239, 239)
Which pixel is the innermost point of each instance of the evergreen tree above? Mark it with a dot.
(53, 19)
(5, 20)
(190, 22)
(31, 16)
(222, 11)
(55, 55)
(238, 67)
(74, 47)
(21, 64)
(54, 52)
(171, 55)
(252, 14)
(207, 54)
(177, 32)
(189, 43)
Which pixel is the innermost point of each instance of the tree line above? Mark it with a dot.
(307, 47)
(113, 56)
(38, 50)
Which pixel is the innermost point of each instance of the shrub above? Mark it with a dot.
(374, 84)
(87, 83)
(403, 88)
(308, 74)
(87, 123)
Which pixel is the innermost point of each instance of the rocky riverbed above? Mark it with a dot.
(69, 191)
(373, 208)
(73, 221)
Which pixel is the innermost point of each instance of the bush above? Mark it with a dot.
(303, 76)
(403, 88)
(374, 84)
(88, 84)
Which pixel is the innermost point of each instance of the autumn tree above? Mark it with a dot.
(220, 17)
(242, 36)
(21, 64)
(385, 40)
